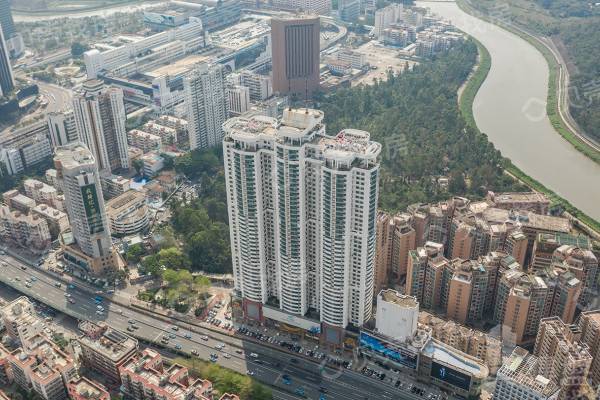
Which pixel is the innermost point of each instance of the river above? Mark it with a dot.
(510, 108)
(103, 12)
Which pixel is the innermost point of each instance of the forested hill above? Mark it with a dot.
(415, 116)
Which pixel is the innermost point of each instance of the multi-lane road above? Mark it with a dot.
(269, 368)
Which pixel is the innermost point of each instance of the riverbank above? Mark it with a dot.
(576, 139)
(103, 10)
(466, 101)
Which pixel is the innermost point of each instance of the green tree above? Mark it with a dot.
(134, 253)
(138, 165)
(77, 49)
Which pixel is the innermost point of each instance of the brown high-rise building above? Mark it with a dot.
(295, 44)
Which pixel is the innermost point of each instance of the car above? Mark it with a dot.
(188, 336)
(253, 355)
(67, 294)
(299, 391)
(98, 299)
(286, 379)
(71, 287)
(195, 352)
(175, 327)
(129, 328)
(71, 301)
(172, 335)
(239, 351)
(58, 284)
(100, 307)
(24, 268)
(28, 285)
(227, 355)
(178, 346)
(33, 279)
(204, 337)
(17, 278)
(131, 321)
(99, 312)
(250, 373)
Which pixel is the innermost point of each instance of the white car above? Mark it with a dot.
(253, 355)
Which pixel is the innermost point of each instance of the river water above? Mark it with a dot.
(104, 12)
(510, 108)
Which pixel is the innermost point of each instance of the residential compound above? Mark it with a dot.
(88, 248)
(475, 261)
(20, 320)
(414, 29)
(302, 215)
(145, 377)
(558, 369)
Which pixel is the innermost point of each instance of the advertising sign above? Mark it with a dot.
(450, 376)
(92, 208)
(389, 350)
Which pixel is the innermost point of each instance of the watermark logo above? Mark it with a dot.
(534, 109)
(582, 96)
(395, 146)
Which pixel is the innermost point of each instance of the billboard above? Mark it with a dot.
(92, 208)
(394, 351)
(450, 376)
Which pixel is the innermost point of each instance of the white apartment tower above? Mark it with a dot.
(302, 215)
(100, 120)
(91, 249)
(206, 103)
(62, 127)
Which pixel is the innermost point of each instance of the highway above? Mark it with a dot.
(270, 366)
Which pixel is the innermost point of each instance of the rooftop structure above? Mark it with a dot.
(84, 389)
(20, 320)
(396, 315)
(145, 377)
(128, 213)
(105, 349)
(519, 378)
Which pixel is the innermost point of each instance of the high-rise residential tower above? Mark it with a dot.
(90, 249)
(295, 47)
(14, 40)
(206, 102)
(302, 216)
(7, 82)
(100, 119)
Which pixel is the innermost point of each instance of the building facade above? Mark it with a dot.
(302, 212)
(295, 47)
(206, 104)
(100, 119)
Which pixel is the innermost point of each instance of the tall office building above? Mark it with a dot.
(7, 81)
(14, 40)
(295, 48)
(90, 250)
(100, 119)
(302, 216)
(206, 103)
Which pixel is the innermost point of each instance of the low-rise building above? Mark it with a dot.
(104, 349)
(6, 377)
(128, 213)
(84, 389)
(527, 201)
(167, 133)
(153, 163)
(357, 60)
(144, 140)
(339, 67)
(43, 193)
(144, 377)
(17, 201)
(114, 185)
(52, 179)
(57, 221)
(24, 147)
(43, 368)
(27, 230)
(21, 321)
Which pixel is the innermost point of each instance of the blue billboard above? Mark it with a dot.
(389, 350)
(450, 376)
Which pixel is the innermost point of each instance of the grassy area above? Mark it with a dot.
(466, 108)
(225, 380)
(552, 99)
